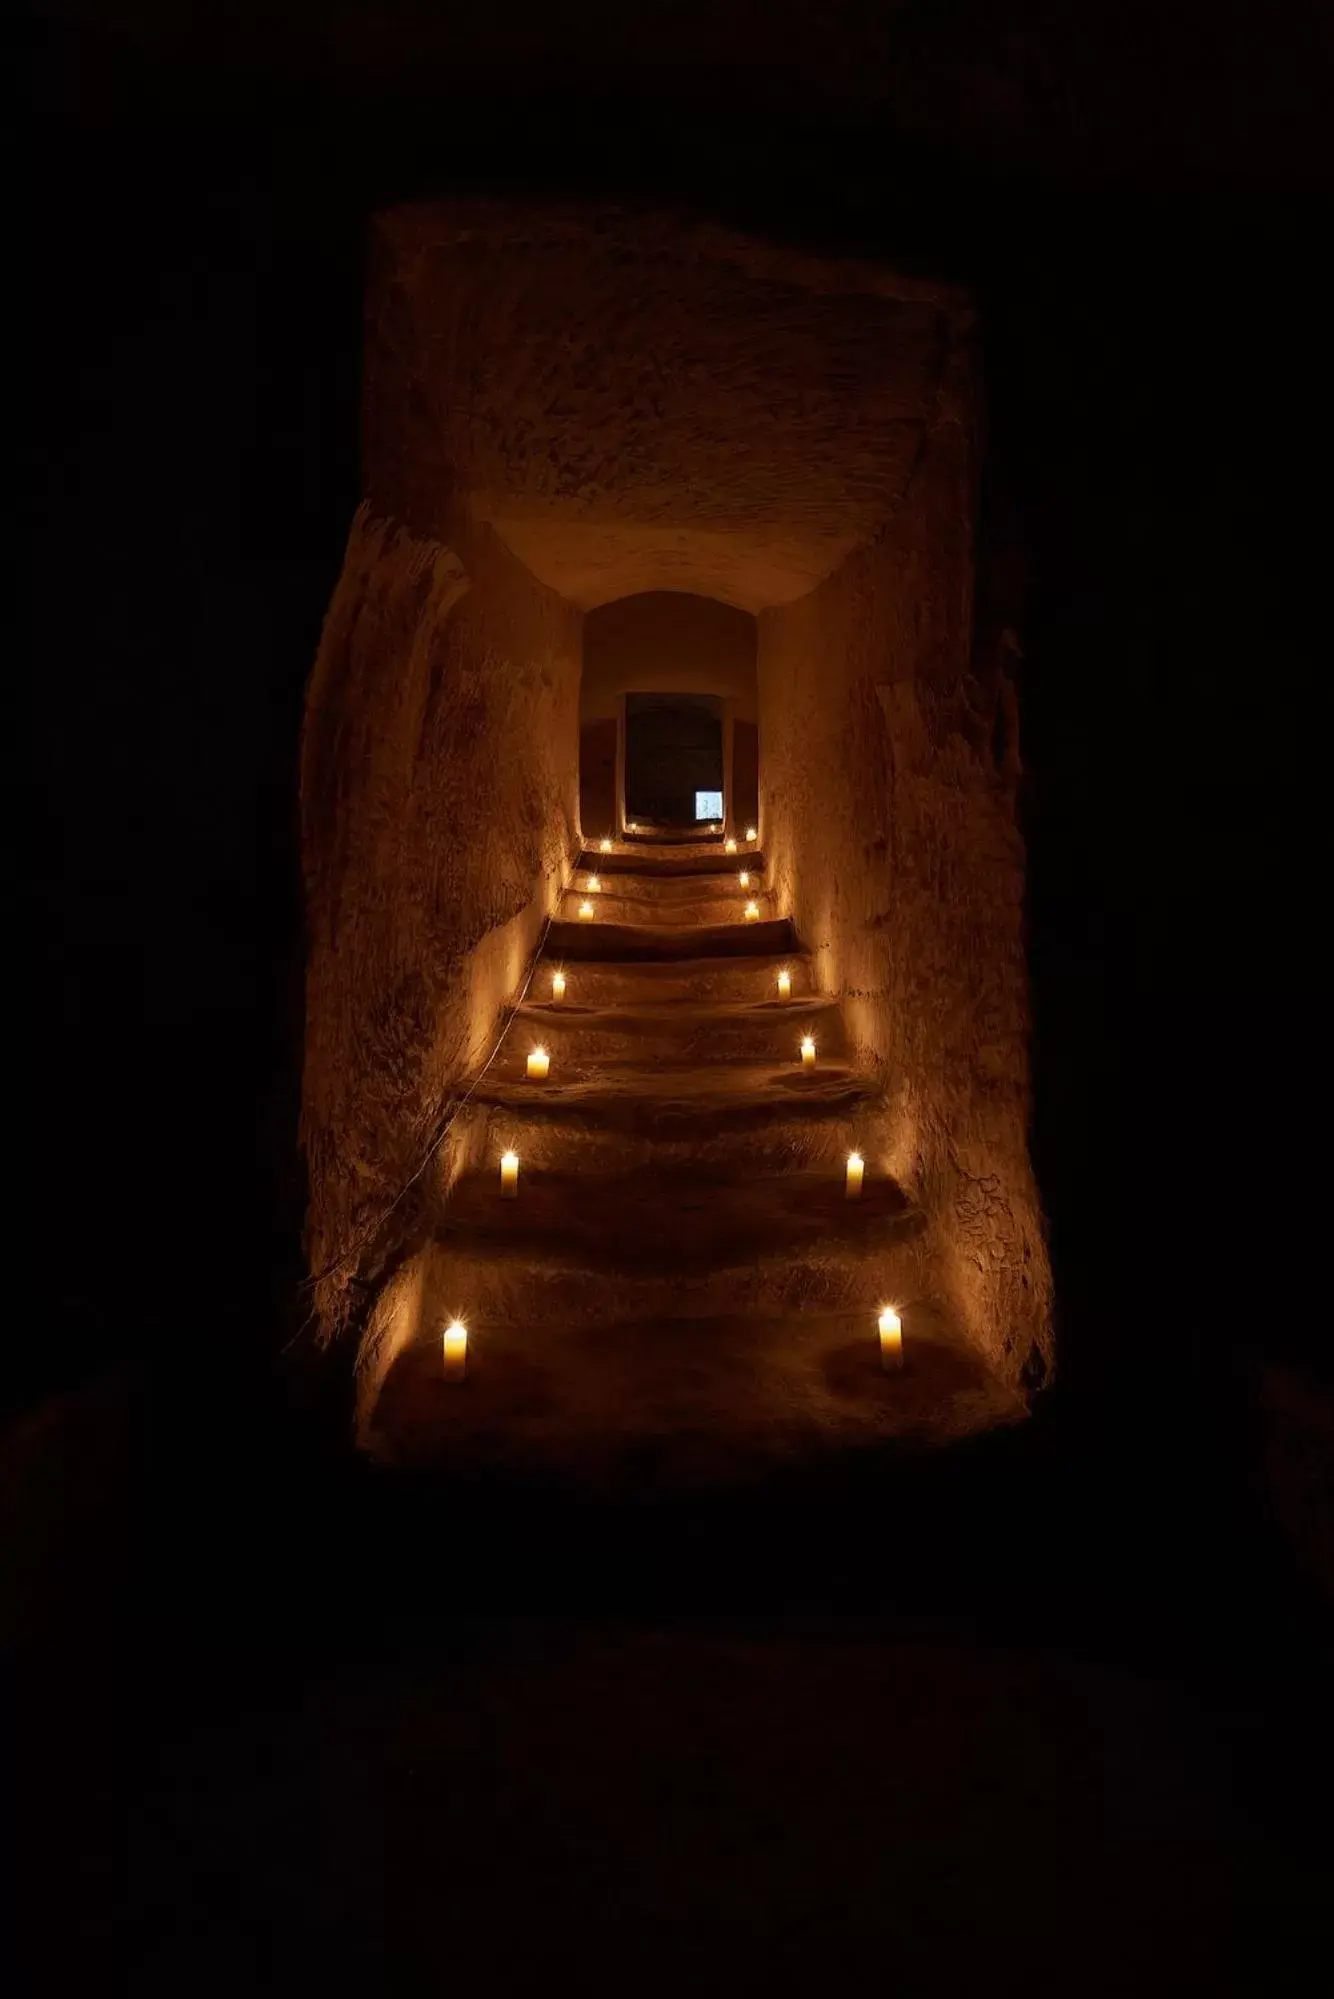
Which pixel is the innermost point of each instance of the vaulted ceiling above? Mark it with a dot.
(637, 404)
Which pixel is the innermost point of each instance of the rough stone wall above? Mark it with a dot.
(638, 405)
(888, 775)
(597, 779)
(439, 817)
(745, 801)
(667, 642)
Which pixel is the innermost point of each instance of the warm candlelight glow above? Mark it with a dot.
(891, 1339)
(509, 1174)
(785, 985)
(729, 846)
(606, 846)
(856, 1169)
(558, 985)
(744, 878)
(585, 910)
(456, 1351)
(808, 1052)
(752, 911)
(751, 834)
(538, 1064)
(595, 886)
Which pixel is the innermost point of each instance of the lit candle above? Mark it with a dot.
(729, 846)
(606, 846)
(744, 878)
(558, 985)
(456, 1351)
(585, 910)
(594, 885)
(856, 1170)
(751, 834)
(891, 1340)
(807, 1052)
(752, 911)
(538, 1064)
(784, 985)
(509, 1175)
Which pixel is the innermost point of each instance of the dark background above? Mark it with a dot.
(673, 748)
(1135, 198)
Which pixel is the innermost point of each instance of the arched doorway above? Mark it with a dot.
(673, 760)
(668, 708)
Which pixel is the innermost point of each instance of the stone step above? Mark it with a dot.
(677, 839)
(684, 1031)
(672, 1095)
(700, 1402)
(720, 980)
(649, 866)
(718, 1117)
(665, 891)
(666, 912)
(464, 1282)
(633, 943)
(674, 1222)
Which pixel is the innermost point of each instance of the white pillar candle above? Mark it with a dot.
(585, 910)
(785, 985)
(752, 912)
(456, 1351)
(856, 1171)
(606, 846)
(509, 1175)
(538, 1064)
(744, 878)
(558, 985)
(751, 834)
(807, 1052)
(729, 846)
(594, 885)
(891, 1340)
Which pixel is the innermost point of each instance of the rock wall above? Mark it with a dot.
(888, 776)
(597, 779)
(745, 799)
(439, 822)
(667, 642)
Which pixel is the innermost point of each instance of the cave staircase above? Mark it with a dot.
(681, 1283)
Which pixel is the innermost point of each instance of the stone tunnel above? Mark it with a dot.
(612, 456)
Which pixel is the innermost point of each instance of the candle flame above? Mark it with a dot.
(585, 909)
(744, 878)
(606, 846)
(752, 910)
(854, 1158)
(808, 1044)
(751, 834)
(594, 884)
(509, 1159)
(730, 847)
